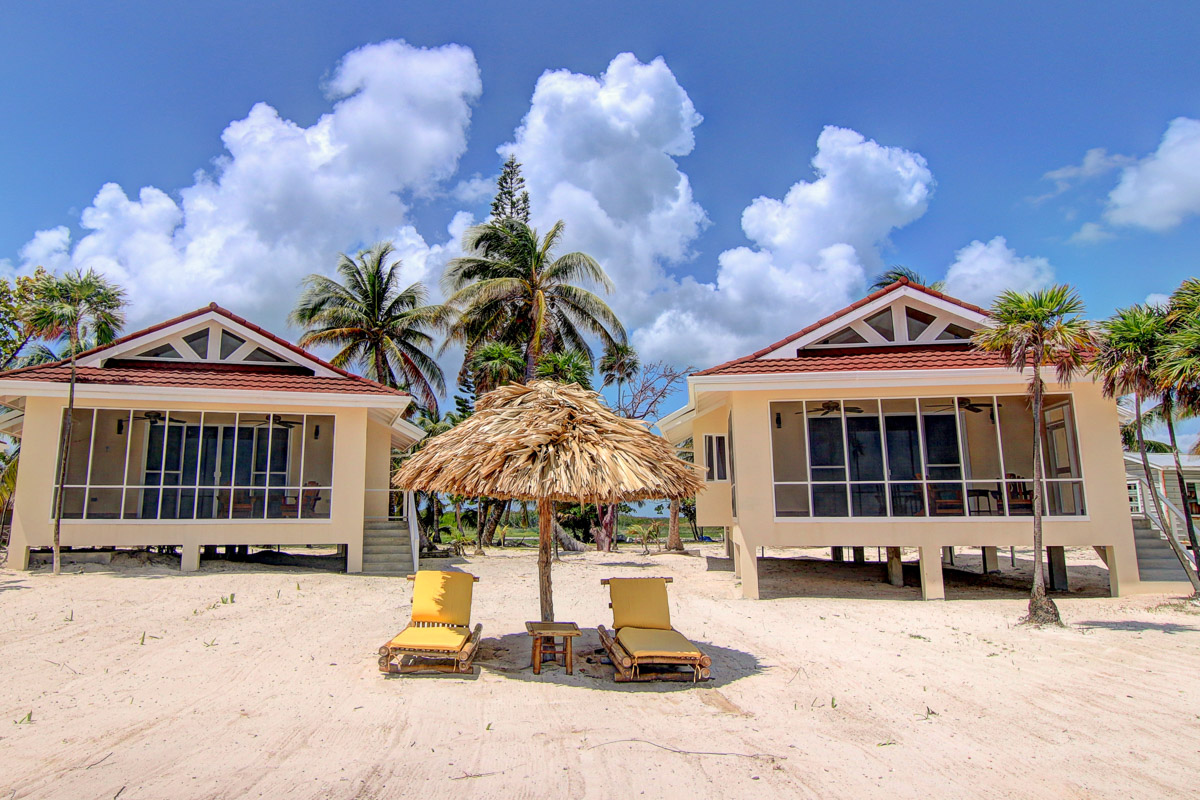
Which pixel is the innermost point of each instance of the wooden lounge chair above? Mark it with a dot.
(439, 637)
(645, 647)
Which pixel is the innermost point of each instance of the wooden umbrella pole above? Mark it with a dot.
(545, 534)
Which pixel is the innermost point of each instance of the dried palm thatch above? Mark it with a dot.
(549, 442)
(553, 441)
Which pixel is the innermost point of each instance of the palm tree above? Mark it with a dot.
(496, 364)
(511, 288)
(569, 366)
(74, 307)
(378, 326)
(1128, 361)
(898, 271)
(1039, 329)
(10, 459)
(619, 364)
(1178, 375)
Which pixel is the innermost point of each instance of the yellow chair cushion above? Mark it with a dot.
(443, 597)
(438, 638)
(643, 643)
(639, 603)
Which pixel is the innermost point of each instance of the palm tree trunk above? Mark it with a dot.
(1042, 610)
(484, 507)
(545, 533)
(64, 447)
(458, 516)
(1183, 497)
(489, 532)
(673, 540)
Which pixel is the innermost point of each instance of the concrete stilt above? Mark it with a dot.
(860, 555)
(991, 560)
(837, 553)
(189, 558)
(749, 572)
(895, 567)
(948, 555)
(1057, 574)
(932, 587)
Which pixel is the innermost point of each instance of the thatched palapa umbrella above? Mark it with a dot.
(549, 442)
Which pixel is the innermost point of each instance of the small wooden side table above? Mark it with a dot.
(544, 635)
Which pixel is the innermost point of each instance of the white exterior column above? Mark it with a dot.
(932, 587)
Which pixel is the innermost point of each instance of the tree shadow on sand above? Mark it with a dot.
(510, 655)
(1135, 626)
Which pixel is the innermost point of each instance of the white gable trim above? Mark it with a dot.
(214, 322)
(952, 312)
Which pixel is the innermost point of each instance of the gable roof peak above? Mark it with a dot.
(896, 285)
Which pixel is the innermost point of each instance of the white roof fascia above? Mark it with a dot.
(877, 378)
(146, 394)
(878, 304)
(677, 426)
(187, 326)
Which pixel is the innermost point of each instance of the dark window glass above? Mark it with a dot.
(903, 447)
(198, 341)
(829, 500)
(868, 500)
(866, 450)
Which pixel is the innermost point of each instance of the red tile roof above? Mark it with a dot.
(228, 376)
(722, 368)
(867, 359)
(201, 376)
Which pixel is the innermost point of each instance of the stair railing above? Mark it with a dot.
(1174, 513)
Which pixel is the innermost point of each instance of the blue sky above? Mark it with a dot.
(945, 120)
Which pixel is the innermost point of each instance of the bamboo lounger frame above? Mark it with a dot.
(392, 659)
(629, 668)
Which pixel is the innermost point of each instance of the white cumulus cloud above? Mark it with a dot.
(284, 199)
(981, 271)
(1161, 190)
(810, 255)
(599, 153)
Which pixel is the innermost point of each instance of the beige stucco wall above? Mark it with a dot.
(360, 460)
(1107, 525)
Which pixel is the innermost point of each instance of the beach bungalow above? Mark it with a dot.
(880, 425)
(207, 430)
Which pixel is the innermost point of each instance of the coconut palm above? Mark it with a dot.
(72, 308)
(1128, 362)
(1039, 329)
(380, 327)
(619, 364)
(496, 364)
(510, 287)
(1178, 376)
(569, 366)
(898, 271)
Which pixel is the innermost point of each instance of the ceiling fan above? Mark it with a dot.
(157, 418)
(275, 420)
(832, 407)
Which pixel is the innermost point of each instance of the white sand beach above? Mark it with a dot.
(134, 681)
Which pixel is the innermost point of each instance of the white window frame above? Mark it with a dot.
(716, 470)
(126, 487)
(1003, 482)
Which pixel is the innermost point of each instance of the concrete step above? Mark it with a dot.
(386, 550)
(376, 524)
(1154, 575)
(401, 536)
